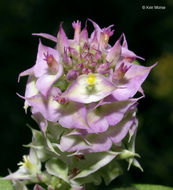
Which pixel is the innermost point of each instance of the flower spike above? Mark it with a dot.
(81, 95)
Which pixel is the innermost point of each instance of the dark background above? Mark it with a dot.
(149, 34)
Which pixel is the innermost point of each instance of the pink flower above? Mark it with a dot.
(86, 85)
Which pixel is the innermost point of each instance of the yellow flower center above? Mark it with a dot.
(26, 163)
(91, 79)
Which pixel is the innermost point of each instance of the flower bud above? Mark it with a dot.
(103, 68)
(72, 75)
(86, 70)
(120, 72)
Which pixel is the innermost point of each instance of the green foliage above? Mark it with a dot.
(111, 171)
(57, 168)
(6, 185)
(94, 163)
(144, 187)
(107, 173)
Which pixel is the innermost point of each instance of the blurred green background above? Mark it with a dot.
(149, 34)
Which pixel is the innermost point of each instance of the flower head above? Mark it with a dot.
(81, 94)
(95, 81)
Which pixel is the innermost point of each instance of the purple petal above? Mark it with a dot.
(97, 30)
(26, 72)
(77, 30)
(49, 108)
(73, 143)
(96, 26)
(116, 111)
(45, 82)
(115, 52)
(128, 55)
(118, 132)
(88, 144)
(104, 36)
(47, 36)
(132, 81)
(74, 116)
(41, 67)
(99, 143)
(107, 113)
(94, 40)
(84, 35)
(63, 41)
(95, 36)
(125, 45)
(97, 122)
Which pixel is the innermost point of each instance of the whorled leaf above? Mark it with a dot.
(111, 171)
(93, 162)
(108, 173)
(39, 145)
(57, 168)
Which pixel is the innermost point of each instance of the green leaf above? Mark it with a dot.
(57, 168)
(6, 185)
(19, 185)
(55, 131)
(94, 178)
(38, 138)
(111, 171)
(151, 187)
(95, 162)
(144, 187)
(41, 145)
